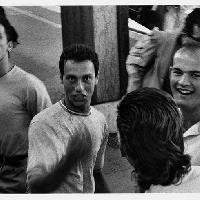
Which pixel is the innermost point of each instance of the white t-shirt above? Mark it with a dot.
(22, 96)
(49, 134)
(192, 143)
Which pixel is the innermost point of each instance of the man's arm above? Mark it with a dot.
(37, 97)
(47, 182)
(100, 183)
(141, 58)
(41, 181)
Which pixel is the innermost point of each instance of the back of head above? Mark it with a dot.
(11, 33)
(78, 53)
(2, 12)
(150, 19)
(150, 127)
(192, 19)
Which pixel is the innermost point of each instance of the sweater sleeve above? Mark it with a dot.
(101, 153)
(141, 58)
(45, 149)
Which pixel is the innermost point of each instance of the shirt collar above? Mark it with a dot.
(73, 112)
(193, 130)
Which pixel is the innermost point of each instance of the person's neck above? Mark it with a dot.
(80, 110)
(190, 117)
(5, 67)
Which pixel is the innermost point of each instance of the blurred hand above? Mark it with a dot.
(158, 36)
(78, 146)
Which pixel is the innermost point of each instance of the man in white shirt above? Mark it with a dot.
(67, 142)
(185, 86)
(22, 96)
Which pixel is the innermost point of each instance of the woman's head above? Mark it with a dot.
(150, 127)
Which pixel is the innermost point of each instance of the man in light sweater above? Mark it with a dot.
(185, 85)
(22, 96)
(67, 141)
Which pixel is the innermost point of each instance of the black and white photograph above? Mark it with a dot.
(99, 99)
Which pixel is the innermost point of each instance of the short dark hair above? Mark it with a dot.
(78, 53)
(191, 19)
(150, 19)
(151, 135)
(192, 51)
(10, 31)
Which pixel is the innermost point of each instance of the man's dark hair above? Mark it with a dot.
(78, 53)
(191, 19)
(151, 136)
(10, 31)
(150, 19)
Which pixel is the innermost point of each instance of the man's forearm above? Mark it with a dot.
(46, 183)
(49, 182)
(42, 184)
(100, 183)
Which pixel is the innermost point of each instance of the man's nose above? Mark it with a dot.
(79, 86)
(184, 80)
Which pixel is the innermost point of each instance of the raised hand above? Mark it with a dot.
(78, 147)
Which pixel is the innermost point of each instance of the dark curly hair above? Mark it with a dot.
(78, 53)
(151, 136)
(11, 33)
(191, 19)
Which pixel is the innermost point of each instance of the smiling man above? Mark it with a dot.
(67, 142)
(185, 85)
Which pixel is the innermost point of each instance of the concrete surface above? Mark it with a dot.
(117, 172)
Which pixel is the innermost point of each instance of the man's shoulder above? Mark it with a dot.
(48, 114)
(27, 78)
(33, 80)
(97, 113)
(193, 130)
(195, 170)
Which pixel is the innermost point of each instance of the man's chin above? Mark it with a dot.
(82, 103)
(180, 102)
(79, 103)
(184, 105)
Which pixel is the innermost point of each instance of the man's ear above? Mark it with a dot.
(96, 79)
(10, 46)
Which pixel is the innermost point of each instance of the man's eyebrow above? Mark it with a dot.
(70, 75)
(177, 68)
(190, 71)
(89, 74)
(194, 71)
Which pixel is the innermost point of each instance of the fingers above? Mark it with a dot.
(78, 145)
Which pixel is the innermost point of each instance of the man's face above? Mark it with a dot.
(185, 81)
(196, 31)
(79, 81)
(3, 43)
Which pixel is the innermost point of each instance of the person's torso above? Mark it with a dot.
(64, 125)
(192, 143)
(14, 118)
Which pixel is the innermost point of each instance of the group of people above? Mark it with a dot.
(44, 147)
(60, 148)
(159, 118)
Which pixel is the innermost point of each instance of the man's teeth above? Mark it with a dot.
(182, 91)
